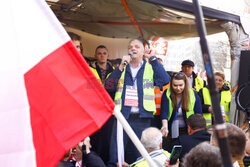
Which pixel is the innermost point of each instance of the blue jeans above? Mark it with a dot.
(131, 153)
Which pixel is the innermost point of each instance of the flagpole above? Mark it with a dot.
(133, 136)
(220, 128)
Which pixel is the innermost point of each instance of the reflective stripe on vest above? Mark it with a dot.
(190, 104)
(96, 74)
(224, 101)
(207, 101)
(144, 163)
(158, 94)
(148, 89)
(199, 83)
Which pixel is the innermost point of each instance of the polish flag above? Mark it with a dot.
(49, 98)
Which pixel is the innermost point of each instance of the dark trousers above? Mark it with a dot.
(156, 122)
(100, 140)
(131, 153)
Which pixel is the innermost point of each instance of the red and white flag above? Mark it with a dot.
(49, 98)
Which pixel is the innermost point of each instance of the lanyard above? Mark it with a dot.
(134, 79)
(132, 70)
(177, 110)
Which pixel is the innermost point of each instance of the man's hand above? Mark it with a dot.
(149, 53)
(175, 165)
(86, 142)
(126, 59)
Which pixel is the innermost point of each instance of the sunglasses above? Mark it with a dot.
(178, 74)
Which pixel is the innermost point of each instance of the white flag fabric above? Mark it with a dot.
(45, 107)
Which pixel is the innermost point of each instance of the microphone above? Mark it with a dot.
(130, 54)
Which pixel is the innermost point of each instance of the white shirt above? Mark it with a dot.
(180, 118)
(190, 80)
(134, 72)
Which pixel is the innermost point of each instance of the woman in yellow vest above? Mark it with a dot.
(225, 98)
(178, 103)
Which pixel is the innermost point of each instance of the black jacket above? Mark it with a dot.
(195, 76)
(110, 69)
(92, 160)
(190, 141)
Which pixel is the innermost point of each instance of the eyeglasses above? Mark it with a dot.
(178, 74)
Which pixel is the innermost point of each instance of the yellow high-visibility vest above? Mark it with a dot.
(148, 89)
(199, 83)
(191, 103)
(97, 75)
(224, 101)
(144, 163)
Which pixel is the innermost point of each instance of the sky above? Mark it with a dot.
(233, 6)
(179, 50)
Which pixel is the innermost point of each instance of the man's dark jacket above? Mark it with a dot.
(190, 141)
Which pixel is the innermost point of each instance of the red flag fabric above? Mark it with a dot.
(50, 99)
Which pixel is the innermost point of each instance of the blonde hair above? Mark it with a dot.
(220, 74)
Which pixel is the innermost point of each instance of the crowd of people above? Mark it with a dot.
(164, 109)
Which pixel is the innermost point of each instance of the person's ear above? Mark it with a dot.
(189, 130)
(182, 68)
(161, 145)
(213, 141)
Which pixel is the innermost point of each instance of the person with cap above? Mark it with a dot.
(187, 67)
